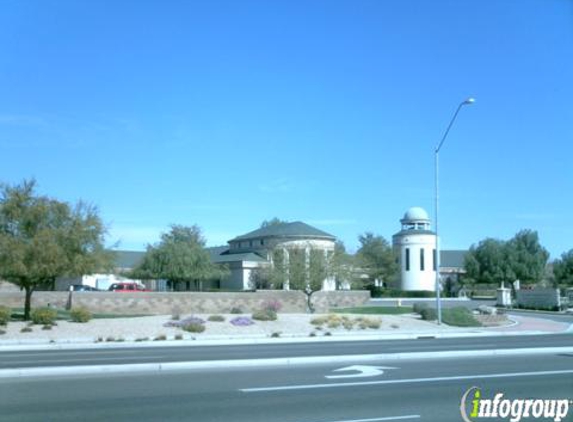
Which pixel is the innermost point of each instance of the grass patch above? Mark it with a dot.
(375, 310)
(65, 315)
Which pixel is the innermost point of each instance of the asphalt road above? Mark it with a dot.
(124, 355)
(425, 390)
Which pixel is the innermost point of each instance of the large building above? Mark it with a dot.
(253, 250)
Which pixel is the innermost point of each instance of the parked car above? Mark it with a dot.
(127, 287)
(82, 288)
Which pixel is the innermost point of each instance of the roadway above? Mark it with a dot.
(186, 353)
(413, 390)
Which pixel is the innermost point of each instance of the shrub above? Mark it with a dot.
(160, 337)
(5, 314)
(47, 327)
(429, 314)
(272, 305)
(236, 310)
(459, 317)
(179, 337)
(44, 316)
(242, 321)
(275, 335)
(265, 315)
(216, 318)
(2, 332)
(349, 325)
(321, 320)
(373, 323)
(382, 292)
(418, 307)
(194, 327)
(183, 322)
(80, 315)
(26, 330)
(334, 321)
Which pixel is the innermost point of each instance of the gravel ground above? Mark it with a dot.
(153, 327)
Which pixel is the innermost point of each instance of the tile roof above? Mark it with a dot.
(295, 229)
(452, 258)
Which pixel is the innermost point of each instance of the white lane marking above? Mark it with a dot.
(94, 359)
(405, 381)
(90, 352)
(387, 418)
(364, 371)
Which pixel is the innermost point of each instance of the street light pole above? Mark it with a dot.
(437, 257)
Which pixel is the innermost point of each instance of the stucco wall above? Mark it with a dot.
(165, 303)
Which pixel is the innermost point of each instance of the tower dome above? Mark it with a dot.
(416, 214)
(415, 218)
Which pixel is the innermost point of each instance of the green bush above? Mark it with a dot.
(80, 315)
(194, 327)
(5, 314)
(429, 314)
(459, 317)
(236, 310)
(321, 320)
(216, 318)
(381, 292)
(419, 307)
(265, 315)
(44, 316)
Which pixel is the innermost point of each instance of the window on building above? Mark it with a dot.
(422, 264)
(407, 259)
(434, 259)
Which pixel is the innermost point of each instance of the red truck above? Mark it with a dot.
(127, 287)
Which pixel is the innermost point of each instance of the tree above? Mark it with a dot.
(528, 258)
(563, 268)
(42, 238)
(180, 257)
(308, 268)
(488, 262)
(495, 261)
(303, 268)
(376, 259)
(342, 267)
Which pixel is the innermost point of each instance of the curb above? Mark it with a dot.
(341, 337)
(275, 362)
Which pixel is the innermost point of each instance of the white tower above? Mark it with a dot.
(415, 245)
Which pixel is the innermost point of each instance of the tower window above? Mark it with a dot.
(434, 258)
(407, 259)
(422, 259)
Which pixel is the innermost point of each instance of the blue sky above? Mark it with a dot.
(227, 113)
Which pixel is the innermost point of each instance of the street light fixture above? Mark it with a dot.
(437, 257)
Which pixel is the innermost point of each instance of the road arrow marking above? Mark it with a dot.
(363, 371)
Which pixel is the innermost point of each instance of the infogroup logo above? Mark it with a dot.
(512, 409)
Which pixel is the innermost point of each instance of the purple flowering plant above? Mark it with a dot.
(184, 322)
(241, 321)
